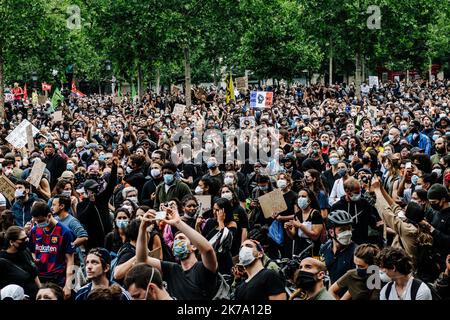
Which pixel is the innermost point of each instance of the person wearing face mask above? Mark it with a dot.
(93, 210)
(145, 283)
(440, 146)
(338, 251)
(170, 188)
(261, 283)
(23, 201)
(309, 281)
(362, 212)
(331, 175)
(190, 279)
(117, 238)
(231, 181)
(98, 264)
(306, 225)
(417, 139)
(439, 223)
(54, 163)
(16, 263)
(410, 234)
(134, 172)
(239, 216)
(155, 178)
(214, 173)
(130, 194)
(354, 282)
(338, 187)
(51, 244)
(256, 215)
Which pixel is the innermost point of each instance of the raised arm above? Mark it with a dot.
(142, 240)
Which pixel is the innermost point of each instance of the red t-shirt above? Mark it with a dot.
(17, 92)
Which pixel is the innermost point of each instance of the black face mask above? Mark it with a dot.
(306, 280)
(436, 206)
(365, 160)
(22, 246)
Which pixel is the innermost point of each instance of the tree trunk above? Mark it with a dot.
(358, 74)
(2, 96)
(429, 71)
(139, 82)
(331, 66)
(187, 75)
(363, 68)
(158, 79)
(215, 73)
(407, 77)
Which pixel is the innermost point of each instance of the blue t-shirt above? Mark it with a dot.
(337, 264)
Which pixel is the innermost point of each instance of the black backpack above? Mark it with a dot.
(414, 289)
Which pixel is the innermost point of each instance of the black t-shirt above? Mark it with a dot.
(18, 268)
(241, 219)
(197, 283)
(291, 199)
(264, 284)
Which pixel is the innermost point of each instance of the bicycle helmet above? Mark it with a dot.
(339, 218)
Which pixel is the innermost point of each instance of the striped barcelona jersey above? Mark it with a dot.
(50, 249)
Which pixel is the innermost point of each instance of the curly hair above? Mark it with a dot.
(391, 257)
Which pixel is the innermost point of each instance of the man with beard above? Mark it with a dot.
(54, 163)
(441, 150)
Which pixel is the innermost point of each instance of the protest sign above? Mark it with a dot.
(9, 97)
(272, 202)
(261, 99)
(18, 137)
(58, 116)
(205, 202)
(42, 100)
(30, 140)
(36, 173)
(247, 122)
(117, 100)
(242, 84)
(178, 110)
(7, 188)
(373, 81)
(156, 253)
(372, 112)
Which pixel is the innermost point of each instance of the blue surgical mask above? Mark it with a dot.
(180, 249)
(43, 224)
(414, 179)
(168, 179)
(303, 203)
(334, 161)
(122, 224)
(211, 164)
(69, 167)
(435, 137)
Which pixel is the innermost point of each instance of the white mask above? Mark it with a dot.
(79, 144)
(384, 277)
(345, 237)
(228, 181)
(155, 173)
(281, 184)
(246, 256)
(198, 190)
(227, 195)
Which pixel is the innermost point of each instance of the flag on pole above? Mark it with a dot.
(76, 91)
(133, 91)
(56, 99)
(25, 93)
(230, 89)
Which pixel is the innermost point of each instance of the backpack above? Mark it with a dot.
(414, 289)
(224, 291)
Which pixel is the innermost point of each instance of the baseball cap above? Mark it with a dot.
(67, 175)
(102, 253)
(13, 292)
(90, 184)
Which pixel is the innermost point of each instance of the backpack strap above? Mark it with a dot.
(415, 288)
(388, 290)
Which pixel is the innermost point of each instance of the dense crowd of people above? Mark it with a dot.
(140, 200)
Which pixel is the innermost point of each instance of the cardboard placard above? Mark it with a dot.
(372, 112)
(156, 253)
(373, 81)
(7, 188)
(58, 116)
(18, 137)
(178, 110)
(205, 202)
(117, 100)
(272, 202)
(261, 99)
(247, 122)
(30, 140)
(42, 99)
(36, 173)
(242, 84)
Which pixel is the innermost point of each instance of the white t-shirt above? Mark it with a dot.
(424, 293)
(337, 192)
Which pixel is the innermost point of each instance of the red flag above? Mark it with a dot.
(25, 93)
(46, 87)
(76, 91)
